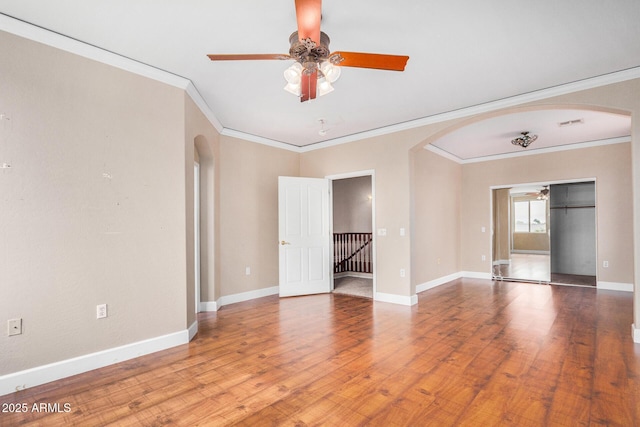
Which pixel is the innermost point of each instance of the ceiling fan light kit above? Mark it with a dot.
(316, 67)
(525, 140)
(544, 193)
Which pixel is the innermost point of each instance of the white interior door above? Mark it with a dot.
(305, 239)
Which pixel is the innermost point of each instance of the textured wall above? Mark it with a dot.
(92, 208)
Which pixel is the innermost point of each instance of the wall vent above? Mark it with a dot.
(571, 122)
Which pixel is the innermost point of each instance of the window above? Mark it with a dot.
(530, 216)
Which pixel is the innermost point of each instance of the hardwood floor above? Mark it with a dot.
(471, 352)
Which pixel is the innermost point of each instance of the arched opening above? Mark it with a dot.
(458, 175)
(204, 230)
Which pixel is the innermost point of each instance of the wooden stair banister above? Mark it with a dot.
(352, 252)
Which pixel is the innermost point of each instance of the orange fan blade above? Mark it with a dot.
(256, 56)
(308, 86)
(308, 15)
(373, 60)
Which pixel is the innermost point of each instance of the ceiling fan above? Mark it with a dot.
(543, 194)
(316, 67)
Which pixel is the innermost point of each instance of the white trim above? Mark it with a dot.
(502, 262)
(396, 299)
(43, 374)
(204, 108)
(356, 174)
(208, 306)
(196, 235)
(576, 146)
(476, 275)
(374, 240)
(193, 330)
(260, 140)
(246, 296)
(635, 333)
(614, 286)
(540, 183)
(41, 35)
(437, 282)
(76, 47)
(590, 83)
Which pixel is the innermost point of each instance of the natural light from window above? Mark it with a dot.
(530, 216)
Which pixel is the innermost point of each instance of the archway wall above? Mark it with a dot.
(618, 186)
(201, 142)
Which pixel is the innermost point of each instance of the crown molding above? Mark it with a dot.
(260, 140)
(575, 146)
(59, 41)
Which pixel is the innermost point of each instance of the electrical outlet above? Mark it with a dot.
(402, 272)
(382, 231)
(14, 327)
(101, 311)
(605, 264)
(247, 271)
(402, 232)
(484, 257)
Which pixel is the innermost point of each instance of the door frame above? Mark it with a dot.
(357, 174)
(540, 183)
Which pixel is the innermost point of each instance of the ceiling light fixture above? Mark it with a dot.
(313, 61)
(544, 193)
(525, 140)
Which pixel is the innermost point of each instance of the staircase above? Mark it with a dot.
(352, 252)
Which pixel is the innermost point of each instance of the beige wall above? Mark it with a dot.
(388, 156)
(534, 242)
(614, 206)
(92, 207)
(436, 233)
(249, 213)
(352, 205)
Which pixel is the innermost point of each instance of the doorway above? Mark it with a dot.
(196, 233)
(545, 233)
(353, 240)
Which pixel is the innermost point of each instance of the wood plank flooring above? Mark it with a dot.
(470, 353)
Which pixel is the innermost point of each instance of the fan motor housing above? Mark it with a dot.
(307, 51)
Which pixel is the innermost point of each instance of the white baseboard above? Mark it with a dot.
(476, 275)
(208, 306)
(396, 299)
(613, 286)
(635, 333)
(437, 282)
(193, 330)
(43, 374)
(246, 296)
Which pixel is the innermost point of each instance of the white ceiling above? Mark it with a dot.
(462, 55)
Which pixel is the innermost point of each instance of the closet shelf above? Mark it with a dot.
(572, 207)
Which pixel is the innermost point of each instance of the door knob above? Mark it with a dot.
(284, 243)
